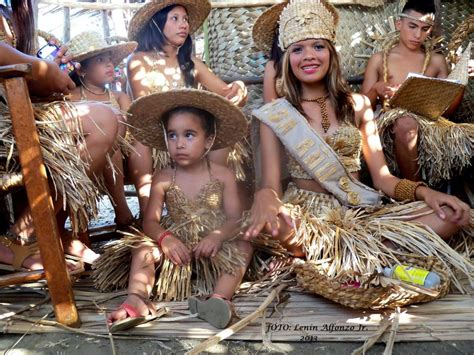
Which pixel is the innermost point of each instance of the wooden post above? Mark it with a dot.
(66, 24)
(40, 201)
(105, 21)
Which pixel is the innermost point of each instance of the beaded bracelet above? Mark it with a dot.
(162, 236)
(406, 190)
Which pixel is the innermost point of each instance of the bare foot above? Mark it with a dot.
(76, 248)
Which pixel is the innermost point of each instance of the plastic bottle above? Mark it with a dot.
(413, 275)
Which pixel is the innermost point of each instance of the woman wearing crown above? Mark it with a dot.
(323, 128)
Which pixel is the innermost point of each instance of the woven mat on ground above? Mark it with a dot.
(301, 317)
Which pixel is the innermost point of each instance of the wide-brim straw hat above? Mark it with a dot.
(147, 113)
(263, 31)
(88, 44)
(197, 11)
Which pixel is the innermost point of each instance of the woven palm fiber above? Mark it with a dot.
(312, 277)
(457, 22)
(233, 54)
(353, 23)
(449, 318)
(231, 48)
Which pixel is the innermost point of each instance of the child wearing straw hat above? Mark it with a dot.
(164, 61)
(98, 60)
(415, 146)
(198, 234)
(75, 140)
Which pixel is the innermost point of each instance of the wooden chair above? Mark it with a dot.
(40, 201)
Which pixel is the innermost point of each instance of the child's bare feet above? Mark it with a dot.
(76, 248)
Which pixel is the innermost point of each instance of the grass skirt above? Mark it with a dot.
(349, 242)
(60, 134)
(173, 283)
(444, 147)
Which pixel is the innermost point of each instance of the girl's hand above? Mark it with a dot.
(208, 247)
(436, 200)
(175, 250)
(236, 92)
(265, 211)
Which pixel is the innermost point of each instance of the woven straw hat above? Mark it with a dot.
(304, 19)
(265, 26)
(197, 10)
(89, 44)
(147, 113)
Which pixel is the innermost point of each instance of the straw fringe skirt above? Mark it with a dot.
(444, 147)
(60, 134)
(349, 242)
(173, 283)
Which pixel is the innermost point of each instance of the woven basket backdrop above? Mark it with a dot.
(453, 13)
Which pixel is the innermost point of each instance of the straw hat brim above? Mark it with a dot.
(118, 51)
(147, 113)
(197, 10)
(264, 28)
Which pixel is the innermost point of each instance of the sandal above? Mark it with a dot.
(20, 253)
(134, 317)
(23, 252)
(215, 309)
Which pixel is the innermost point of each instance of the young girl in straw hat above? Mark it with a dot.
(164, 61)
(196, 237)
(98, 60)
(323, 128)
(75, 139)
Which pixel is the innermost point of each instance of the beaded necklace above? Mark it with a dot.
(321, 101)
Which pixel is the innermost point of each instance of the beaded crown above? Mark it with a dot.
(304, 19)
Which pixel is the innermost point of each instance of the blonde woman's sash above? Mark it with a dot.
(316, 157)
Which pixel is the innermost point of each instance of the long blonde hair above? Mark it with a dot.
(339, 93)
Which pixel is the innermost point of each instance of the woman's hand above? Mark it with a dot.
(208, 247)
(265, 211)
(175, 250)
(48, 79)
(62, 57)
(436, 200)
(236, 92)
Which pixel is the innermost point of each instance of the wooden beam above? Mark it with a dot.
(40, 201)
(215, 4)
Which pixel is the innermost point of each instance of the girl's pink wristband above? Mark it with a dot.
(162, 236)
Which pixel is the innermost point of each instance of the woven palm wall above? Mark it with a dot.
(453, 14)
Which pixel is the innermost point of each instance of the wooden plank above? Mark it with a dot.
(21, 277)
(303, 318)
(14, 70)
(40, 202)
(214, 4)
